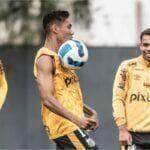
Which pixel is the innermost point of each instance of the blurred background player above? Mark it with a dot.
(62, 106)
(131, 97)
(3, 85)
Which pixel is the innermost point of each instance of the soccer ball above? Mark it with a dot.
(73, 54)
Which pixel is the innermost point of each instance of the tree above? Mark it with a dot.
(22, 18)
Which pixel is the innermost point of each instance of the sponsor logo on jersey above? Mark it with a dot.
(70, 80)
(140, 97)
(146, 84)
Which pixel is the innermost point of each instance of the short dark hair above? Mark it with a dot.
(57, 16)
(145, 32)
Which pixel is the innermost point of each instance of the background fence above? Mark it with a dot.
(20, 120)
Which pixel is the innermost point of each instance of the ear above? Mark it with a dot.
(141, 47)
(55, 28)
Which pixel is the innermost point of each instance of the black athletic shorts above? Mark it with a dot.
(140, 141)
(78, 139)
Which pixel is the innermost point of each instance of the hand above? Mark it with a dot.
(95, 118)
(86, 123)
(124, 136)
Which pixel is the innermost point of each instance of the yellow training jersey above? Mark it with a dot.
(3, 85)
(67, 92)
(131, 95)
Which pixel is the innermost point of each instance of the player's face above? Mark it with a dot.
(65, 31)
(145, 47)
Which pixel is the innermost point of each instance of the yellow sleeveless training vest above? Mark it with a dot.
(67, 92)
(3, 85)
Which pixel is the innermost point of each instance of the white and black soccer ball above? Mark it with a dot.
(73, 54)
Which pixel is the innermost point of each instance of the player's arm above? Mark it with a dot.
(120, 89)
(3, 86)
(92, 114)
(89, 111)
(46, 88)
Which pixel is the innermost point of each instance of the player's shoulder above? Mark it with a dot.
(130, 62)
(42, 49)
(45, 51)
(41, 54)
(44, 61)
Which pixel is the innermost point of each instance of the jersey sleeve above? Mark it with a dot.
(3, 86)
(120, 89)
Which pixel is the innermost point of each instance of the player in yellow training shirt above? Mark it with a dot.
(62, 106)
(3, 85)
(131, 98)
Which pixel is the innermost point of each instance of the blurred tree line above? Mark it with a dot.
(22, 19)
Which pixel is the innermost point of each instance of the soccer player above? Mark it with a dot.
(3, 85)
(62, 106)
(131, 97)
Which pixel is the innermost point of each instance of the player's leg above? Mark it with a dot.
(64, 142)
(141, 140)
(76, 140)
(85, 139)
(128, 147)
(123, 147)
